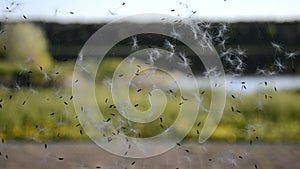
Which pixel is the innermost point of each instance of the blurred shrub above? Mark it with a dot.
(25, 44)
(23, 49)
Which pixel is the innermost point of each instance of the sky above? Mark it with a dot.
(103, 10)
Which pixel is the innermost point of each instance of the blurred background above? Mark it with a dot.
(259, 47)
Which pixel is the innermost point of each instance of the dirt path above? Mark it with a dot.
(88, 155)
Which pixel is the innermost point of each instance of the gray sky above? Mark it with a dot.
(98, 10)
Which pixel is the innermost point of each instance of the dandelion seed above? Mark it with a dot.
(233, 96)
(161, 126)
(77, 125)
(178, 144)
(107, 120)
(209, 159)
(51, 114)
(135, 45)
(187, 150)
(24, 102)
(169, 45)
(232, 109)
(198, 124)
(81, 132)
(71, 13)
(240, 157)
(250, 142)
(275, 89)
(71, 97)
(2, 31)
(138, 90)
(45, 146)
(136, 105)
(211, 72)
(222, 44)
(184, 99)
(255, 166)
(76, 81)
(46, 77)
(291, 55)
(65, 103)
(241, 52)
(109, 139)
(266, 96)
(229, 60)
(98, 167)
(244, 87)
(172, 10)
(279, 65)
(197, 131)
(260, 71)
(185, 61)
(238, 111)
(2, 140)
(175, 34)
(60, 158)
(276, 46)
(112, 13)
(133, 163)
(6, 156)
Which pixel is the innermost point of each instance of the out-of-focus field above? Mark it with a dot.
(48, 114)
(36, 100)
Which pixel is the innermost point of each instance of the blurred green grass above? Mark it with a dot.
(46, 114)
